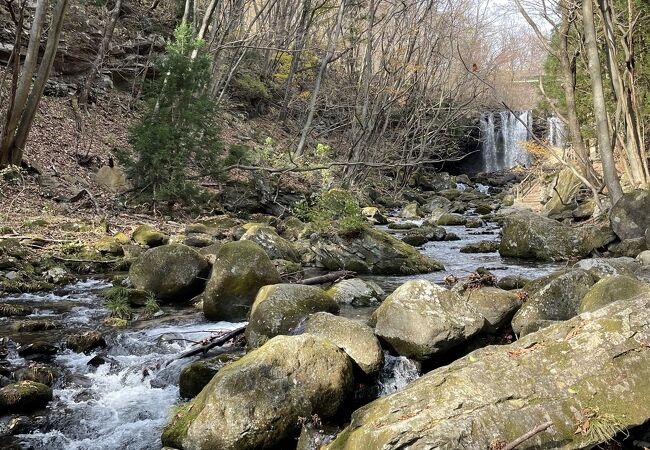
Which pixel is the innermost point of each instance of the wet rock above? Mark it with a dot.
(279, 309)
(172, 272)
(555, 297)
(14, 310)
(196, 375)
(449, 219)
(275, 246)
(257, 401)
(474, 222)
(149, 237)
(25, 326)
(57, 275)
(85, 341)
(437, 203)
(356, 292)
(435, 181)
(629, 216)
(374, 215)
(24, 396)
(496, 305)
(410, 211)
(421, 319)
(285, 267)
(373, 251)
(402, 226)
(480, 247)
(356, 339)
(511, 282)
(628, 247)
(450, 236)
(424, 234)
(37, 372)
(611, 289)
(37, 349)
(450, 194)
(530, 236)
(566, 373)
(240, 270)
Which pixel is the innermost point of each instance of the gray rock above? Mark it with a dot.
(273, 244)
(630, 215)
(356, 292)
(496, 305)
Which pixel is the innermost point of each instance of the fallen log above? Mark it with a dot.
(327, 278)
(212, 342)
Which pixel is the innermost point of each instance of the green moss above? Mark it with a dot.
(182, 416)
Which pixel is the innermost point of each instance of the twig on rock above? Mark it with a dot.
(528, 435)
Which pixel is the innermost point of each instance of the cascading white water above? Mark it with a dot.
(503, 149)
(398, 371)
(556, 132)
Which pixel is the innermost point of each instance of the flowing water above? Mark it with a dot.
(556, 132)
(124, 403)
(502, 139)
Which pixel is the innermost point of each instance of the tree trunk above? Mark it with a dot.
(101, 54)
(329, 54)
(600, 108)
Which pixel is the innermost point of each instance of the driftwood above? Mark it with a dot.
(212, 342)
(327, 278)
(528, 435)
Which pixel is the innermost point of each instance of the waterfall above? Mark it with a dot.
(503, 149)
(556, 132)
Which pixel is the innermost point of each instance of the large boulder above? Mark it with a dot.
(149, 237)
(630, 215)
(553, 298)
(530, 236)
(410, 211)
(172, 272)
(565, 187)
(241, 268)
(605, 267)
(256, 402)
(112, 178)
(196, 375)
(353, 337)
(24, 396)
(496, 305)
(611, 289)
(356, 292)
(279, 309)
(421, 319)
(275, 246)
(372, 251)
(587, 376)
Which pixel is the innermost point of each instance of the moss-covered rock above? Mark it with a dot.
(172, 272)
(85, 341)
(402, 226)
(421, 319)
(37, 372)
(112, 245)
(374, 215)
(611, 289)
(555, 297)
(14, 310)
(372, 251)
(410, 211)
(275, 246)
(511, 282)
(240, 270)
(628, 247)
(292, 228)
(424, 234)
(451, 219)
(530, 236)
(196, 375)
(353, 337)
(149, 237)
(568, 374)
(356, 292)
(24, 396)
(279, 309)
(256, 402)
(480, 247)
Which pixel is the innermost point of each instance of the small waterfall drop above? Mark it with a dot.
(556, 132)
(502, 143)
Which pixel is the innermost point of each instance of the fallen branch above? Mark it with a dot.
(101, 261)
(328, 277)
(213, 342)
(528, 435)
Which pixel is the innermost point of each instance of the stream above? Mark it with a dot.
(124, 402)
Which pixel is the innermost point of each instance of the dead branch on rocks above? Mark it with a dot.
(528, 435)
(327, 278)
(212, 342)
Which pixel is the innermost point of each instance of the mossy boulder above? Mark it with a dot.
(628, 247)
(149, 237)
(112, 245)
(14, 310)
(172, 272)
(611, 289)
(356, 339)
(37, 372)
(480, 247)
(402, 226)
(279, 309)
(85, 341)
(256, 402)
(196, 375)
(511, 282)
(356, 292)
(371, 252)
(424, 234)
(292, 228)
(568, 374)
(527, 235)
(374, 215)
(555, 297)
(421, 319)
(630, 215)
(24, 396)
(275, 246)
(410, 211)
(451, 219)
(241, 268)
(285, 267)
(496, 305)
